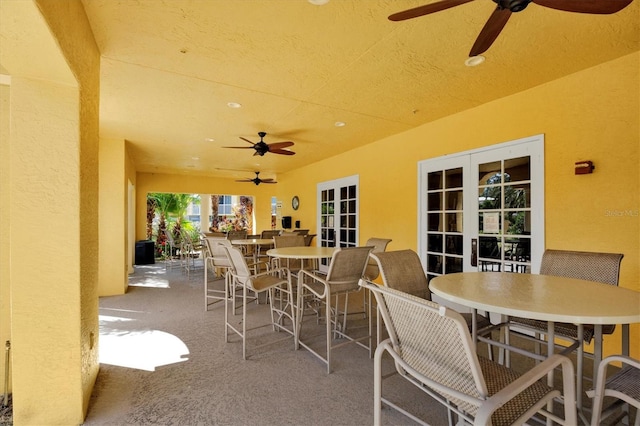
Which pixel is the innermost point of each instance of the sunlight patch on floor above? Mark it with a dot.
(153, 282)
(140, 349)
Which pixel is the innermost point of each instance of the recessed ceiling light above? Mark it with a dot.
(474, 60)
(318, 2)
(234, 105)
(209, 140)
(195, 158)
(340, 124)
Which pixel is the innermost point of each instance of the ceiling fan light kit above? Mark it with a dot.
(503, 10)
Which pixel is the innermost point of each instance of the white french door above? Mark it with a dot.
(337, 201)
(483, 210)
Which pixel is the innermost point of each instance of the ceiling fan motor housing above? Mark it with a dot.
(513, 5)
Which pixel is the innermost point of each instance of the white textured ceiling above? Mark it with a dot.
(169, 68)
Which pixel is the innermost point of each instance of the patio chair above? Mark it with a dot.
(379, 245)
(345, 270)
(432, 349)
(590, 266)
(624, 385)
(218, 261)
(293, 265)
(267, 234)
(271, 282)
(403, 271)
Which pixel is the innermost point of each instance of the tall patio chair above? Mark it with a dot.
(432, 349)
(190, 251)
(590, 266)
(267, 234)
(218, 261)
(623, 385)
(271, 282)
(308, 239)
(379, 245)
(345, 271)
(237, 235)
(403, 271)
(293, 265)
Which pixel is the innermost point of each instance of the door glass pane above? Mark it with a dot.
(434, 180)
(444, 221)
(504, 213)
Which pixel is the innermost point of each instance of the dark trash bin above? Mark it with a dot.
(145, 252)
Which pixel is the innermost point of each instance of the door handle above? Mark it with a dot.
(474, 252)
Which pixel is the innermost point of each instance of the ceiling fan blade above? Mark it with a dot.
(267, 180)
(270, 181)
(239, 147)
(244, 180)
(426, 9)
(247, 140)
(279, 145)
(602, 7)
(490, 31)
(281, 151)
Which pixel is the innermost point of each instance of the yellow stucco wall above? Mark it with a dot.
(53, 153)
(113, 218)
(591, 115)
(5, 247)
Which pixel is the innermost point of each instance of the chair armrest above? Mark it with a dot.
(269, 271)
(311, 275)
(314, 277)
(500, 398)
(602, 372)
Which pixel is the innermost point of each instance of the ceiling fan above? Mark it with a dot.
(257, 180)
(262, 148)
(501, 14)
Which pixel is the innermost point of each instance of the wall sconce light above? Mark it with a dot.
(584, 167)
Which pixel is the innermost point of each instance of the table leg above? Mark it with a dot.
(550, 351)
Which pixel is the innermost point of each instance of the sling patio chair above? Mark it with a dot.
(272, 281)
(431, 348)
(345, 271)
(402, 270)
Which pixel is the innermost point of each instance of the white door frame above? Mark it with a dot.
(469, 160)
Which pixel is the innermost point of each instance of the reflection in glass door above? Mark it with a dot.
(504, 215)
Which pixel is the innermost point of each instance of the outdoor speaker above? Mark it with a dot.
(286, 222)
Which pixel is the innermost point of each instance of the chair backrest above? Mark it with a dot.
(590, 266)
(402, 270)
(434, 341)
(213, 234)
(288, 241)
(239, 266)
(268, 234)
(347, 267)
(308, 238)
(216, 251)
(237, 235)
(379, 245)
(301, 231)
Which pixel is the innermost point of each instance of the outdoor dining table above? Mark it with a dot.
(303, 253)
(257, 243)
(547, 298)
